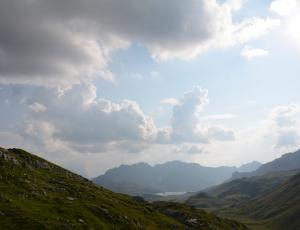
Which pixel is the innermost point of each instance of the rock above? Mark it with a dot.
(70, 198)
(192, 221)
(81, 221)
(8, 157)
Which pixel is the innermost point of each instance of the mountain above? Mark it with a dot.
(279, 209)
(239, 190)
(36, 194)
(174, 176)
(289, 161)
(249, 167)
(268, 197)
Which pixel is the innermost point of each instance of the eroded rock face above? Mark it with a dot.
(18, 157)
(4, 154)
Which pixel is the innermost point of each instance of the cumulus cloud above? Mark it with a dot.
(289, 12)
(250, 52)
(80, 120)
(225, 116)
(285, 7)
(37, 107)
(169, 101)
(285, 125)
(285, 115)
(50, 42)
(195, 150)
(220, 133)
(288, 138)
(185, 116)
(252, 28)
(186, 123)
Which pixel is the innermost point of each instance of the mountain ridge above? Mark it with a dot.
(270, 196)
(286, 162)
(171, 176)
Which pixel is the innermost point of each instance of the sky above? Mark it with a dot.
(94, 84)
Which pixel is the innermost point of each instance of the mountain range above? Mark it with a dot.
(175, 176)
(36, 194)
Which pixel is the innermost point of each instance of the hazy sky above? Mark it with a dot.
(94, 84)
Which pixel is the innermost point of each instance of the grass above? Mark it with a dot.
(36, 194)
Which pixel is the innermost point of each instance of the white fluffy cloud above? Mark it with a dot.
(186, 120)
(285, 125)
(62, 42)
(289, 11)
(71, 128)
(186, 116)
(250, 52)
(285, 7)
(80, 121)
(169, 101)
(37, 107)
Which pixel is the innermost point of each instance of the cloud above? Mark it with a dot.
(37, 107)
(169, 101)
(285, 125)
(185, 116)
(224, 116)
(252, 28)
(250, 52)
(65, 42)
(285, 115)
(81, 121)
(288, 138)
(186, 126)
(220, 133)
(285, 7)
(187, 149)
(289, 13)
(41, 44)
(195, 150)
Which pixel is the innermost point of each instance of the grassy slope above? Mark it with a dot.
(271, 201)
(35, 194)
(280, 209)
(196, 218)
(239, 190)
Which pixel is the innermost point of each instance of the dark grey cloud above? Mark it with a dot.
(63, 41)
(38, 46)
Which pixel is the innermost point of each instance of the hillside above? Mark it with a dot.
(36, 194)
(266, 198)
(280, 209)
(175, 176)
(249, 167)
(239, 190)
(287, 162)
